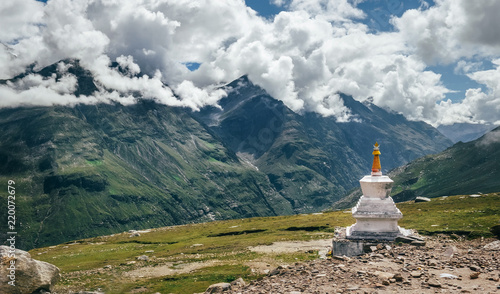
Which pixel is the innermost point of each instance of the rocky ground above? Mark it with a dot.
(442, 265)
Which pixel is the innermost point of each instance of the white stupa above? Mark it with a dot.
(375, 213)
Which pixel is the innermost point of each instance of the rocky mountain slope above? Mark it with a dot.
(91, 170)
(310, 159)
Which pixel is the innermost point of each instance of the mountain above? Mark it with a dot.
(97, 169)
(91, 170)
(464, 168)
(464, 132)
(314, 160)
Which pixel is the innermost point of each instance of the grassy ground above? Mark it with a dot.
(222, 246)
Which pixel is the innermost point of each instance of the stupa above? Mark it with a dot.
(375, 213)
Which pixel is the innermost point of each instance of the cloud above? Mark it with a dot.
(89, 31)
(331, 10)
(451, 29)
(485, 106)
(492, 137)
(304, 56)
(19, 19)
(278, 3)
(464, 67)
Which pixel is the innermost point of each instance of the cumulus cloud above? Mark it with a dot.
(450, 30)
(19, 19)
(304, 56)
(95, 32)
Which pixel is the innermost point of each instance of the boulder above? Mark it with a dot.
(29, 275)
(434, 283)
(422, 199)
(384, 275)
(474, 275)
(238, 283)
(218, 288)
(493, 246)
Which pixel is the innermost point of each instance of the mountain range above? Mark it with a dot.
(464, 132)
(91, 170)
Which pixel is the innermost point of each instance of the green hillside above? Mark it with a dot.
(219, 251)
(93, 170)
(471, 167)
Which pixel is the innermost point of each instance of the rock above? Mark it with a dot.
(135, 234)
(450, 251)
(377, 255)
(417, 243)
(238, 283)
(434, 283)
(341, 258)
(143, 257)
(384, 275)
(493, 246)
(416, 274)
(494, 278)
(30, 274)
(386, 283)
(422, 199)
(274, 272)
(407, 239)
(218, 288)
(398, 277)
(447, 276)
(475, 275)
(475, 268)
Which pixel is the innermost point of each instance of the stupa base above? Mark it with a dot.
(358, 243)
(353, 234)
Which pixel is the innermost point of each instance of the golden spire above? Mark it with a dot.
(376, 167)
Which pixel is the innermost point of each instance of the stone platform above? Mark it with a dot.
(342, 246)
